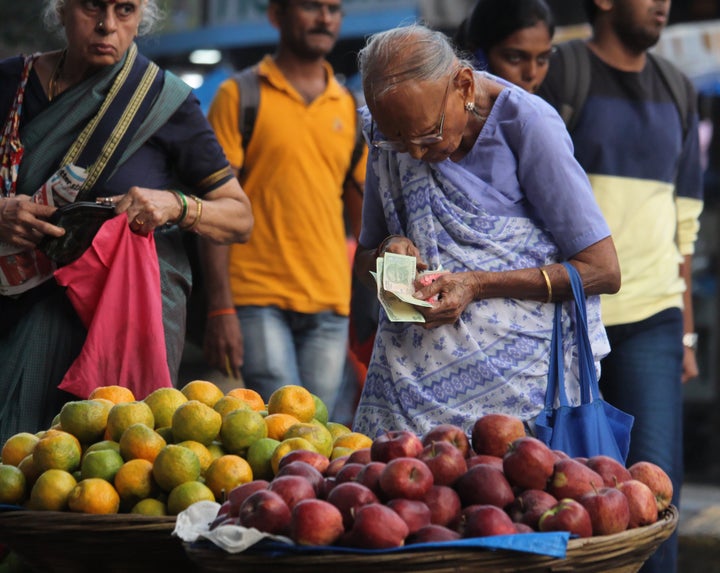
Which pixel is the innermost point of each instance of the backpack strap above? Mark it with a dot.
(576, 67)
(249, 88)
(676, 84)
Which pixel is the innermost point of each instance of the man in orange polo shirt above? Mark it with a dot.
(290, 284)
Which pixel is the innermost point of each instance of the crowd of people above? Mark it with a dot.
(453, 159)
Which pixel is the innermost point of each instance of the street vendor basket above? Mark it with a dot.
(66, 542)
(619, 553)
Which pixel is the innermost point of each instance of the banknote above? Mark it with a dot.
(399, 272)
(396, 309)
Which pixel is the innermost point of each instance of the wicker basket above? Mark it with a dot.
(65, 542)
(620, 553)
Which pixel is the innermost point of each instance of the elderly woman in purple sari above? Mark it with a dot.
(98, 121)
(476, 179)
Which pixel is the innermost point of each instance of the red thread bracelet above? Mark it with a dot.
(220, 312)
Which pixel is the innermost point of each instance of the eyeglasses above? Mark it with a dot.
(312, 7)
(421, 141)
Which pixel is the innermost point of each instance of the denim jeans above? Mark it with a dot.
(642, 376)
(285, 347)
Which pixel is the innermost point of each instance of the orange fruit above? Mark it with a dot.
(12, 485)
(94, 495)
(294, 400)
(216, 449)
(85, 419)
(184, 495)
(259, 456)
(166, 434)
(17, 447)
(134, 481)
(51, 490)
(251, 397)
(225, 473)
(278, 424)
(337, 429)
(241, 428)
(102, 445)
(352, 440)
(175, 465)
(340, 451)
(202, 452)
(288, 445)
(227, 404)
(163, 402)
(321, 411)
(29, 470)
(195, 420)
(124, 415)
(203, 391)
(57, 450)
(141, 441)
(317, 434)
(116, 394)
(103, 464)
(150, 506)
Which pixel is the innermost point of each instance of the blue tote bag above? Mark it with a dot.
(593, 427)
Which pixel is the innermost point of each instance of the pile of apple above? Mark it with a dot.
(444, 485)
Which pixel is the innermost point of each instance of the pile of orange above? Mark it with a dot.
(113, 453)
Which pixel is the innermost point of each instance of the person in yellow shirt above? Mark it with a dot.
(289, 286)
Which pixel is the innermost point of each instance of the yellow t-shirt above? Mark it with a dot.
(297, 159)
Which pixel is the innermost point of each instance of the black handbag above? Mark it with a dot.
(81, 221)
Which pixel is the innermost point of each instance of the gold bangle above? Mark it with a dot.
(548, 283)
(198, 215)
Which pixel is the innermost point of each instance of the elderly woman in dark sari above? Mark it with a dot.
(93, 121)
(475, 178)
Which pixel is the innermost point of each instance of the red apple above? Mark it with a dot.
(641, 501)
(315, 459)
(484, 484)
(348, 472)
(656, 479)
(369, 476)
(315, 522)
(573, 479)
(493, 433)
(239, 493)
(376, 526)
(328, 484)
(609, 510)
(303, 469)
(528, 463)
(484, 459)
(336, 465)
(432, 534)
(529, 506)
(444, 504)
(414, 512)
(395, 444)
(448, 433)
(522, 528)
(486, 520)
(567, 515)
(347, 497)
(224, 516)
(266, 511)
(611, 470)
(360, 456)
(560, 455)
(292, 488)
(405, 477)
(446, 462)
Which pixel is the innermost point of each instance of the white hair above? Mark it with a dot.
(151, 15)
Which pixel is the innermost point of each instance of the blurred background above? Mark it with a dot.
(204, 41)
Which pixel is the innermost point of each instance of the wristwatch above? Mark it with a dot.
(690, 340)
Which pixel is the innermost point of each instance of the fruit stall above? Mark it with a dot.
(196, 479)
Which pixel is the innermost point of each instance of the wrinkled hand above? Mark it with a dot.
(223, 344)
(23, 222)
(147, 208)
(454, 291)
(404, 246)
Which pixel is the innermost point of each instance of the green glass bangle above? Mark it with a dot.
(183, 206)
